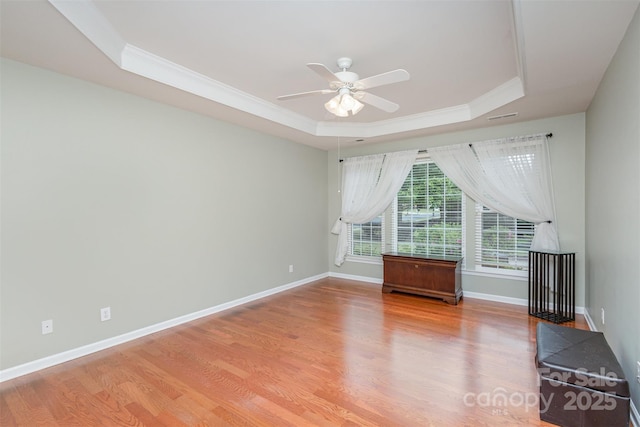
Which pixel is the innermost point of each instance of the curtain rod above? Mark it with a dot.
(549, 135)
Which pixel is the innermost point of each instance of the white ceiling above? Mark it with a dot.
(468, 60)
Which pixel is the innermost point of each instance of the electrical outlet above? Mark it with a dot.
(105, 314)
(602, 315)
(291, 268)
(47, 327)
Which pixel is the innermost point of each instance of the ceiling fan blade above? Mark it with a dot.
(376, 101)
(389, 77)
(324, 72)
(301, 94)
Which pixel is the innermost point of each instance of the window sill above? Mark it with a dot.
(501, 275)
(522, 276)
(364, 259)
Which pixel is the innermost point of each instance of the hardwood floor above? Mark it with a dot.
(330, 353)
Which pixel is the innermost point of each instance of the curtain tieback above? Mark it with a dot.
(337, 227)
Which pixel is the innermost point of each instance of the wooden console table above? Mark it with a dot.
(431, 276)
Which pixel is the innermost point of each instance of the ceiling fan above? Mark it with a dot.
(349, 89)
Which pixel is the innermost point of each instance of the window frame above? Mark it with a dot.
(393, 212)
(478, 247)
(389, 231)
(471, 244)
(367, 259)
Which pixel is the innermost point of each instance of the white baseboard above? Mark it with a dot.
(494, 298)
(635, 416)
(506, 300)
(465, 294)
(590, 322)
(373, 280)
(75, 353)
(85, 350)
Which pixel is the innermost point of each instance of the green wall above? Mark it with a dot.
(109, 199)
(613, 205)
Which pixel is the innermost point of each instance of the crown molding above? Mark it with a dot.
(154, 67)
(496, 98)
(86, 17)
(502, 95)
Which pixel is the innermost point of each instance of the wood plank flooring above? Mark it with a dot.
(330, 353)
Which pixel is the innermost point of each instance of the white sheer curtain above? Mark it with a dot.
(369, 185)
(511, 176)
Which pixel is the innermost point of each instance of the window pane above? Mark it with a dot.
(427, 218)
(503, 241)
(429, 213)
(366, 239)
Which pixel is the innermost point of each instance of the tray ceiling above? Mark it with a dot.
(468, 60)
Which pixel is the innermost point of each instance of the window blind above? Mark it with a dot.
(502, 242)
(428, 213)
(367, 239)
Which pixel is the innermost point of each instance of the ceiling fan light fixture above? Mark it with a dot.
(333, 106)
(347, 102)
(348, 89)
(357, 106)
(343, 103)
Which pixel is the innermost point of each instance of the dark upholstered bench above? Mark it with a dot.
(581, 381)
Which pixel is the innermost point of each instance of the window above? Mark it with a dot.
(502, 242)
(426, 219)
(367, 239)
(428, 216)
(428, 213)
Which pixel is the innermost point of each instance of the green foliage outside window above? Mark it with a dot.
(504, 247)
(428, 218)
(437, 239)
(429, 213)
(367, 248)
(366, 239)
